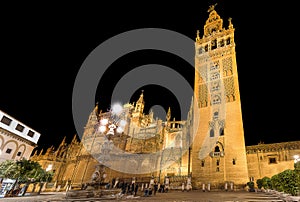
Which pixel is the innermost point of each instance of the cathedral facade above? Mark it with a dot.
(130, 144)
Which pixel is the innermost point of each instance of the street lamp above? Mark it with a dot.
(113, 123)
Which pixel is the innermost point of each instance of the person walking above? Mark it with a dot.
(182, 186)
(208, 187)
(189, 184)
(155, 188)
(226, 186)
(136, 188)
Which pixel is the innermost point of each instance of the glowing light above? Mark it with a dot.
(296, 158)
(102, 129)
(49, 167)
(104, 122)
(123, 123)
(111, 127)
(117, 108)
(120, 129)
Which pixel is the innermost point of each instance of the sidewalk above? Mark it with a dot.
(172, 196)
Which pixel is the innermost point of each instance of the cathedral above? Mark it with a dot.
(126, 144)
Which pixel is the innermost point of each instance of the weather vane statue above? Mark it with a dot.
(212, 7)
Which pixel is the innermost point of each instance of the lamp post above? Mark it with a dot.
(114, 122)
(108, 125)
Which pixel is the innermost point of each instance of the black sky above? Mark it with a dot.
(44, 46)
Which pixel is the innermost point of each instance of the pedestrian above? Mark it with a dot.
(136, 189)
(162, 188)
(208, 187)
(231, 186)
(203, 187)
(150, 191)
(146, 192)
(128, 188)
(132, 188)
(167, 184)
(155, 188)
(226, 186)
(182, 186)
(124, 186)
(189, 184)
(113, 181)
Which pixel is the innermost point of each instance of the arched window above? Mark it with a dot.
(221, 131)
(228, 41)
(213, 44)
(212, 133)
(206, 48)
(217, 149)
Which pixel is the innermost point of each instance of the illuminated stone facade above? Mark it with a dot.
(266, 160)
(218, 150)
(17, 140)
(211, 148)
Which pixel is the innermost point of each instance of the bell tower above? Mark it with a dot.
(218, 148)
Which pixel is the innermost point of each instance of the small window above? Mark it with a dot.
(206, 48)
(261, 158)
(6, 120)
(218, 169)
(218, 162)
(216, 115)
(217, 149)
(251, 179)
(200, 50)
(272, 160)
(222, 43)
(20, 128)
(212, 133)
(8, 151)
(221, 131)
(19, 153)
(30, 133)
(213, 44)
(202, 163)
(228, 41)
(233, 162)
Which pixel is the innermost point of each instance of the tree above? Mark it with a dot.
(259, 183)
(251, 186)
(23, 171)
(45, 176)
(8, 169)
(266, 182)
(287, 181)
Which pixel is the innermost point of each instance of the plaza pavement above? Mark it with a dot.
(172, 196)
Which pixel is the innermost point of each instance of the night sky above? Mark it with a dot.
(44, 46)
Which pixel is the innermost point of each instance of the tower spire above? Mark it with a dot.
(212, 7)
(139, 107)
(168, 117)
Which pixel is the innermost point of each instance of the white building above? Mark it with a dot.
(17, 140)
